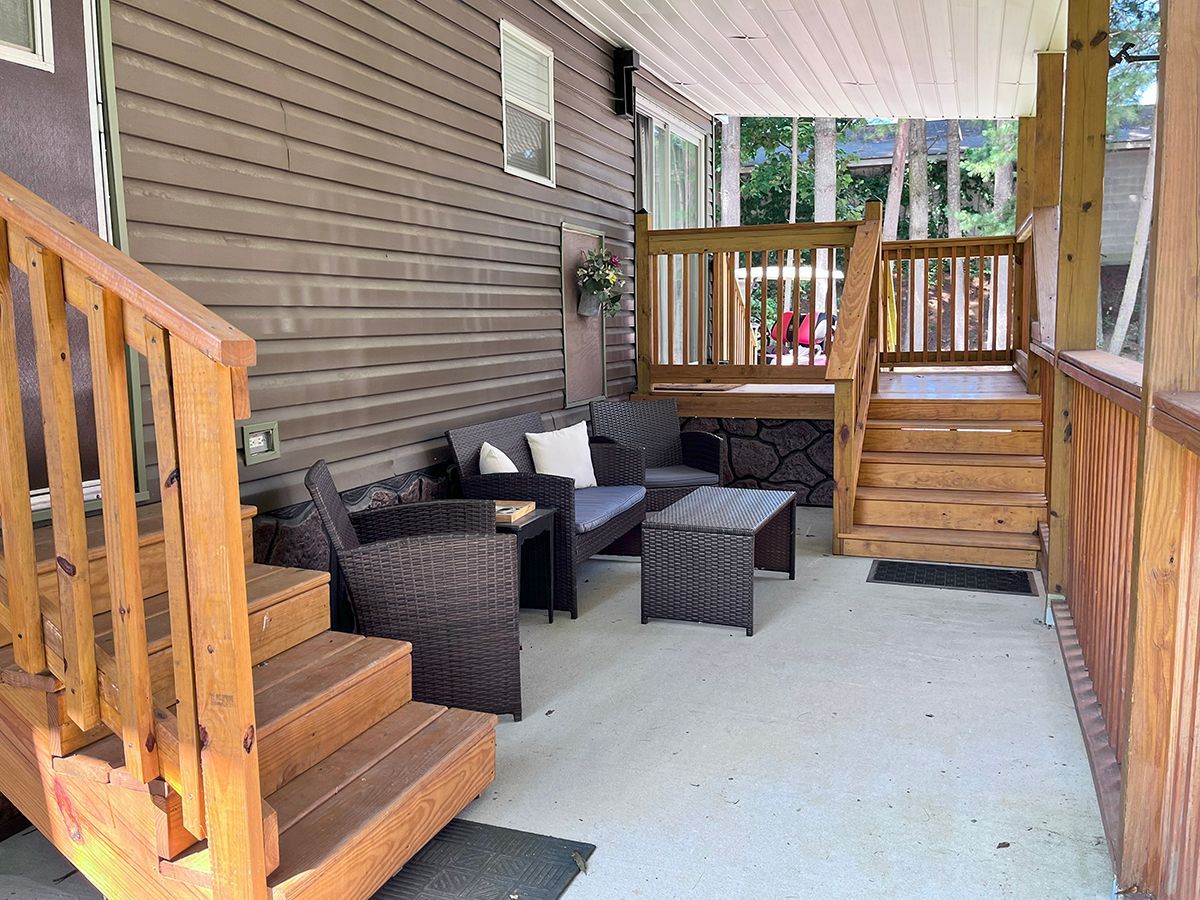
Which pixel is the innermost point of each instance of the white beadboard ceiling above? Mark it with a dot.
(932, 59)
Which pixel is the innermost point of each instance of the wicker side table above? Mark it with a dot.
(699, 554)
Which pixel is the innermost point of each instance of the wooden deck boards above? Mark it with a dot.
(815, 401)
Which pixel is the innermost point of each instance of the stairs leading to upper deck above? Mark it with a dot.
(355, 775)
(958, 480)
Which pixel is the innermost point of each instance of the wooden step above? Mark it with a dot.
(961, 436)
(993, 408)
(953, 471)
(984, 548)
(933, 508)
(152, 553)
(287, 607)
(349, 824)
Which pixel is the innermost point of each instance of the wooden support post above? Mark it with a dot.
(1026, 126)
(110, 387)
(843, 461)
(642, 294)
(57, 390)
(208, 482)
(1046, 176)
(1164, 563)
(1085, 99)
(16, 519)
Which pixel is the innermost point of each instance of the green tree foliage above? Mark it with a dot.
(981, 165)
(1135, 22)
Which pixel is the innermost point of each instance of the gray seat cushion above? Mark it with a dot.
(595, 506)
(679, 476)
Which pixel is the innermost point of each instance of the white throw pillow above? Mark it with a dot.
(494, 461)
(563, 452)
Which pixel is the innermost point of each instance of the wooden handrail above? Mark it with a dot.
(206, 749)
(749, 237)
(1115, 378)
(856, 300)
(29, 216)
(1177, 415)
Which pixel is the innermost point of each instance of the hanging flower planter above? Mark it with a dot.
(600, 283)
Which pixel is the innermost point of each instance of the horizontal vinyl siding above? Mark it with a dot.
(328, 175)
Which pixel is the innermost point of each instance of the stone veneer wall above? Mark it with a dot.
(774, 454)
(293, 536)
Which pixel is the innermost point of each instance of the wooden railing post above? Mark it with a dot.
(57, 390)
(208, 481)
(642, 294)
(16, 518)
(1161, 693)
(110, 387)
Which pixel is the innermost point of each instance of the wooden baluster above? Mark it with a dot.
(16, 519)
(670, 309)
(762, 310)
(829, 331)
(925, 308)
(938, 307)
(158, 361)
(953, 301)
(797, 253)
(718, 271)
(110, 394)
(996, 300)
(749, 307)
(780, 309)
(686, 313)
(208, 483)
(1011, 300)
(654, 272)
(66, 492)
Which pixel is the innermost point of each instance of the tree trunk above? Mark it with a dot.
(824, 198)
(784, 303)
(891, 208)
(953, 178)
(918, 226)
(954, 230)
(1137, 260)
(731, 172)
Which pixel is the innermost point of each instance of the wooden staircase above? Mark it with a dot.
(177, 720)
(950, 480)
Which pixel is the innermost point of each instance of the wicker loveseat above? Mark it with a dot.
(676, 462)
(588, 519)
(436, 575)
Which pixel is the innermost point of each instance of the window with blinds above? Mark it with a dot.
(527, 78)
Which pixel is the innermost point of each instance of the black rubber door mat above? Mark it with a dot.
(471, 861)
(957, 578)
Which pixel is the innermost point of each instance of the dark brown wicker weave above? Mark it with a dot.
(614, 465)
(436, 575)
(699, 554)
(653, 425)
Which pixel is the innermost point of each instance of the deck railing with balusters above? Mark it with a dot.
(201, 739)
(958, 301)
(751, 304)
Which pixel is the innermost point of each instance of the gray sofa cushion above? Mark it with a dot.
(679, 476)
(595, 506)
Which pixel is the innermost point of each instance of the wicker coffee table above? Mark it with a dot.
(699, 554)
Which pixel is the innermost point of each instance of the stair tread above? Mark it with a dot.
(150, 529)
(908, 457)
(328, 811)
(1001, 540)
(265, 586)
(942, 495)
(956, 424)
(313, 675)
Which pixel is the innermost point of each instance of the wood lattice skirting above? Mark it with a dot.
(1106, 772)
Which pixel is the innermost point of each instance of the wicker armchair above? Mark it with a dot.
(676, 462)
(436, 575)
(587, 520)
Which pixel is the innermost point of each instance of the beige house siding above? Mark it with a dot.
(331, 181)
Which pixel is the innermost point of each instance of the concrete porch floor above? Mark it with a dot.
(868, 741)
